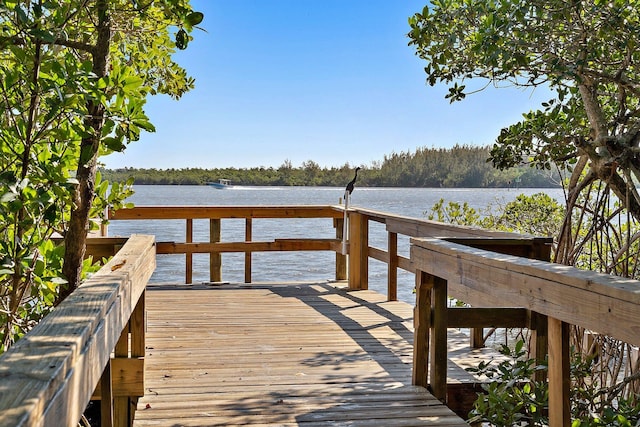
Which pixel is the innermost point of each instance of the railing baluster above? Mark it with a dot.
(106, 397)
(248, 232)
(138, 328)
(189, 256)
(476, 337)
(392, 274)
(120, 403)
(215, 258)
(341, 260)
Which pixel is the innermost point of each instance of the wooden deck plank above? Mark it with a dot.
(295, 355)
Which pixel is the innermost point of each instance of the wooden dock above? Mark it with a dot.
(281, 355)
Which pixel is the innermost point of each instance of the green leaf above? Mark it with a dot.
(182, 39)
(194, 18)
(114, 143)
(22, 16)
(132, 82)
(43, 35)
(145, 124)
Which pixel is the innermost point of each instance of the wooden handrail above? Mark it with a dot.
(49, 375)
(215, 214)
(497, 241)
(565, 295)
(195, 212)
(358, 249)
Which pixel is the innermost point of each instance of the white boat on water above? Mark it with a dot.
(221, 184)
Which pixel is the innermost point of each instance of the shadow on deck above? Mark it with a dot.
(286, 355)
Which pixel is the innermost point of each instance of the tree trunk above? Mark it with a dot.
(76, 234)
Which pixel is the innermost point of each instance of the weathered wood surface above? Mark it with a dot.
(285, 355)
(295, 245)
(47, 378)
(193, 212)
(420, 227)
(600, 302)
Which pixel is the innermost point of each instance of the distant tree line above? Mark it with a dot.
(459, 166)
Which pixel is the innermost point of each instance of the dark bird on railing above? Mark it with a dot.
(351, 183)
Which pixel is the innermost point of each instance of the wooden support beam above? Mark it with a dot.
(276, 245)
(481, 317)
(406, 264)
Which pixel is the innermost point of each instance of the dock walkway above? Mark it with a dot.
(281, 355)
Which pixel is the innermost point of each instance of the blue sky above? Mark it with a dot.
(331, 81)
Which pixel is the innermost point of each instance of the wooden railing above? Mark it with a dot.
(360, 250)
(557, 295)
(358, 247)
(92, 344)
(214, 247)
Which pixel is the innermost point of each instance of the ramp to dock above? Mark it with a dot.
(281, 355)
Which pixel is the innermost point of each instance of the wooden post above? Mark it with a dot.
(121, 403)
(247, 255)
(476, 337)
(421, 328)
(559, 380)
(438, 346)
(106, 397)
(341, 260)
(189, 256)
(392, 274)
(358, 251)
(541, 250)
(215, 258)
(539, 341)
(138, 328)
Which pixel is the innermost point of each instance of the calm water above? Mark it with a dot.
(299, 266)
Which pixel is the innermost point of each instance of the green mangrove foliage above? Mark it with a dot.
(586, 54)
(513, 398)
(537, 215)
(74, 78)
(459, 166)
